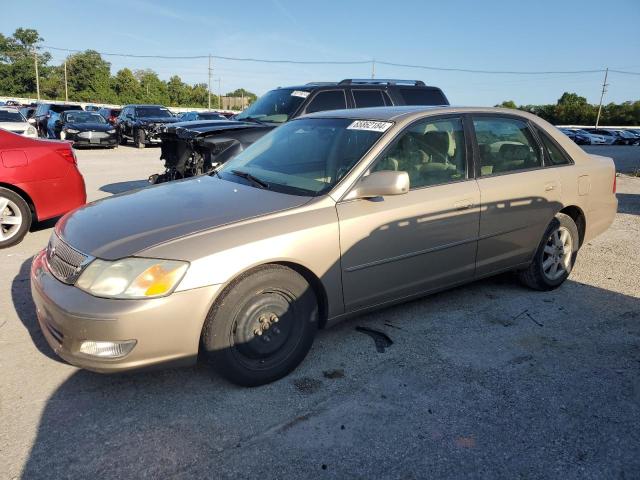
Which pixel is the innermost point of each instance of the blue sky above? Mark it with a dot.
(489, 35)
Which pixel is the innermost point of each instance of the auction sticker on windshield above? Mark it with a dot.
(370, 125)
(300, 93)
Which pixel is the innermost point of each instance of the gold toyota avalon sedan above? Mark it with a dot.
(327, 216)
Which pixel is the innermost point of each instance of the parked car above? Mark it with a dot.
(325, 217)
(91, 108)
(141, 123)
(12, 120)
(614, 138)
(595, 139)
(192, 116)
(110, 114)
(189, 150)
(577, 137)
(39, 180)
(628, 137)
(86, 129)
(43, 114)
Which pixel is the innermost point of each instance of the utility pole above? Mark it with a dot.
(66, 92)
(209, 88)
(604, 90)
(35, 59)
(220, 93)
(373, 68)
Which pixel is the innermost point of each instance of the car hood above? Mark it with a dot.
(128, 223)
(93, 127)
(14, 126)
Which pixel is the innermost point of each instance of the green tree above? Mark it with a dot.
(88, 77)
(153, 90)
(507, 104)
(17, 66)
(126, 87)
(178, 91)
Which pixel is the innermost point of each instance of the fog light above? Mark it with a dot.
(107, 349)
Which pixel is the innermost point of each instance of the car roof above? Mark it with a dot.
(408, 112)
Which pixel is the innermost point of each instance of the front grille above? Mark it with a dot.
(65, 263)
(93, 135)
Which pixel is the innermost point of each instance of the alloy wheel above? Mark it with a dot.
(10, 219)
(557, 253)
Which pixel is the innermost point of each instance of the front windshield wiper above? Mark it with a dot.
(256, 181)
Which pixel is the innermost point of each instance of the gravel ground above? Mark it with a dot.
(489, 380)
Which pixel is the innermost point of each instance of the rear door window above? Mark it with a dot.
(328, 100)
(422, 96)
(555, 156)
(505, 145)
(370, 98)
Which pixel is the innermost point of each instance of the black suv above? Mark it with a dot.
(141, 123)
(192, 148)
(43, 113)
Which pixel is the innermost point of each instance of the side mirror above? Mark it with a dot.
(32, 121)
(380, 184)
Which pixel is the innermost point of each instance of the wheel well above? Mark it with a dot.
(318, 288)
(577, 215)
(23, 194)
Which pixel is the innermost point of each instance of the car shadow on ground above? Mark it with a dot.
(121, 187)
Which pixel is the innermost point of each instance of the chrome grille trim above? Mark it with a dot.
(65, 262)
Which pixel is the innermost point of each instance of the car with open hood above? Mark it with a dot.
(328, 216)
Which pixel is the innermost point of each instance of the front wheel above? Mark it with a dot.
(262, 327)
(555, 256)
(15, 218)
(140, 138)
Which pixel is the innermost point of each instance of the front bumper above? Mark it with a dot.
(167, 330)
(93, 139)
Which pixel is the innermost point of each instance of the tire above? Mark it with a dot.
(555, 256)
(139, 138)
(262, 327)
(122, 139)
(15, 218)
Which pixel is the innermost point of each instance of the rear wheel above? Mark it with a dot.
(15, 218)
(555, 256)
(262, 327)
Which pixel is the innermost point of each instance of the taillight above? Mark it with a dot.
(68, 154)
(614, 183)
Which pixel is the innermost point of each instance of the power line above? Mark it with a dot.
(352, 62)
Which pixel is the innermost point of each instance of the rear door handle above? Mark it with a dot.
(463, 204)
(549, 186)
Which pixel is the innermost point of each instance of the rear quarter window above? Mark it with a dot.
(422, 96)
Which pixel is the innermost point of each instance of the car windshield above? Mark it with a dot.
(275, 106)
(84, 117)
(11, 116)
(155, 112)
(62, 108)
(304, 157)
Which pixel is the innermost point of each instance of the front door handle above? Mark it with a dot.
(549, 186)
(463, 204)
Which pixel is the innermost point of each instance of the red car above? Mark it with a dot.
(39, 179)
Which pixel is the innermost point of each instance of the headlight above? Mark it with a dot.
(71, 130)
(132, 277)
(111, 130)
(31, 130)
